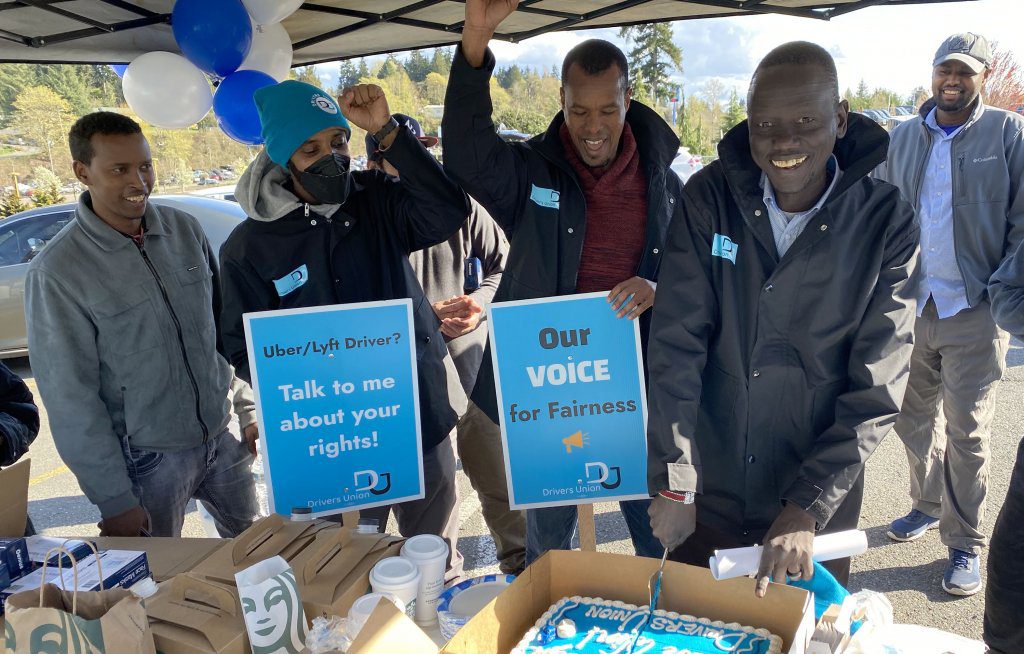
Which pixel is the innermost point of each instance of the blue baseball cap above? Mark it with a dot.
(291, 112)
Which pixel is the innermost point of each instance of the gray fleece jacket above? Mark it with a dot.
(124, 346)
(987, 160)
(440, 271)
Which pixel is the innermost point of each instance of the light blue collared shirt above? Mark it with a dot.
(942, 279)
(786, 226)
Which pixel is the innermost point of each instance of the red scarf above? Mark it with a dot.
(616, 198)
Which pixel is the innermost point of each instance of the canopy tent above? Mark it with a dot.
(117, 31)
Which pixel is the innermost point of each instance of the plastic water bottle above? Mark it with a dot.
(259, 480)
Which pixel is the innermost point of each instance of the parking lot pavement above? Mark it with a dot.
(908, 573)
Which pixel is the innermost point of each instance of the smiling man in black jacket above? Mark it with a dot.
(348, 235)
(783, 328)
(585, 205)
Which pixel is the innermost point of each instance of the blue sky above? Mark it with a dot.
(888, 47)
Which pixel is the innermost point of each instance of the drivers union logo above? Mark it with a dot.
(324, 104)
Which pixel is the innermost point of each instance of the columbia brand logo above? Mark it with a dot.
(984, 159)
(959, 44)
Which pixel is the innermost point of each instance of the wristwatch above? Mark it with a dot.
(383, 132)
(683, 497)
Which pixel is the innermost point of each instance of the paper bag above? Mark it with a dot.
(272, 608)
(99, 622)
(194, 616)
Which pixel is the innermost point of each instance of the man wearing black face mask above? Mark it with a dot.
(319, 234)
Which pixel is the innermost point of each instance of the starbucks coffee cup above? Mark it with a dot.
(430, 554)
(363, 607)
(398, 576)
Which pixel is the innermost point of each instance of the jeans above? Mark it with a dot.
(1004, 587)
(216, 472)
(552, 528)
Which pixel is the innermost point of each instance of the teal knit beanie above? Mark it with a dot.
(291, 112)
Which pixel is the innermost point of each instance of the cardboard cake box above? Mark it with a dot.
(786, 611)
(331, 563)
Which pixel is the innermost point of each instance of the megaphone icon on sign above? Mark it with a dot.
(575, 440)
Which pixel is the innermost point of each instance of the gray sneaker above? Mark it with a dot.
(963, 574)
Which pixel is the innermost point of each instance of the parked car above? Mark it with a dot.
(686, 164)
(25, 234)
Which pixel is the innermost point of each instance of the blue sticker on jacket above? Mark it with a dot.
(545, 197)
(724, 247)
(291, 281)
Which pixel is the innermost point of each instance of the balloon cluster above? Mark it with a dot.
(239, 44)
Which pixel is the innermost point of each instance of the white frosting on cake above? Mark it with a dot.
(775, 644)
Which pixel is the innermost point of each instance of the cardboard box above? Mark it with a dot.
(14, 557)
(195, 616)
(331, 563)
(119, 568)
(786, 611)
(14, 490)
(168, 557)
(40, 546)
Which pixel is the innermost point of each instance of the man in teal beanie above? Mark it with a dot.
(349, 235)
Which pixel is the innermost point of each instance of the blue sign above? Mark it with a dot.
(337, 401)
(570, 383)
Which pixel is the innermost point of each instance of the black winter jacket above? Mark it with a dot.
(774, 379)
(531, 191)
(359, 253)
(19, 417)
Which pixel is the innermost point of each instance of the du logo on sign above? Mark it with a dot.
(572, 397)
(338, 405)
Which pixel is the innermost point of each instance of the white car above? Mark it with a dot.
(686, 164)
(24, 234)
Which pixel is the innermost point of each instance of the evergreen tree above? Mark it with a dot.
(364, 70)
(348, 75)
(654, 56)
(14, 78)
(308, 75)
(441, 61)
(69, 82)
(47, 188)
(11, 203)
(391, 67)
(509, 76)
(417, 66)
(735, 112)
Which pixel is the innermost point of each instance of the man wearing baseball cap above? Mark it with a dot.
(460, 278)
(349, 235)
(961, 164)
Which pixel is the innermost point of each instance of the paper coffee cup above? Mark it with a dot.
(430, 554)
(398, 576)
(361, 609)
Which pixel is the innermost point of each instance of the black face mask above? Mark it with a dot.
(328, 179)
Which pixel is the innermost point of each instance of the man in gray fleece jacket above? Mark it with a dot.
(961, 164)
(120, 308)
(460, 299)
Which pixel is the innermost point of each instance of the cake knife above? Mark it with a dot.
(653, 590)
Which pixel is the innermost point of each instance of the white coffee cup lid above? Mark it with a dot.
(394, 571)
(425, 547)
(364, 605)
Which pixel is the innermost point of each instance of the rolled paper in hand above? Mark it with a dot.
(744, 561)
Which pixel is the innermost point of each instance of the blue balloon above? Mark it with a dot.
(119, 69)
(235, 107)
(215, 35)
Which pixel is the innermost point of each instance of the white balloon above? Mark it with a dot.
(271, 51)
(167, 90)
(268, 12)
